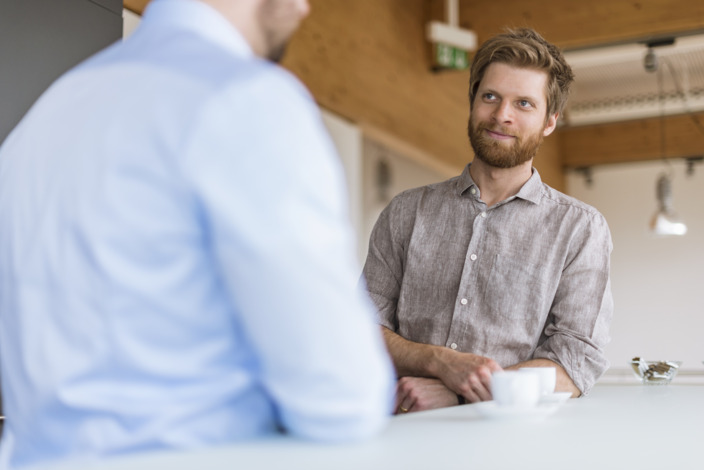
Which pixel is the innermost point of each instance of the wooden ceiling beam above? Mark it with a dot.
(571, 24)
(632, 141)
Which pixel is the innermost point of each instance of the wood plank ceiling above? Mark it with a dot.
(367, 60)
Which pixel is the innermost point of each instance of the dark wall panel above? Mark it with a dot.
(41, 39)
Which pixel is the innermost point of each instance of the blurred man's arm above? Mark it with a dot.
(273, 199)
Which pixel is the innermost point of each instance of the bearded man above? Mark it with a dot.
(494, 269)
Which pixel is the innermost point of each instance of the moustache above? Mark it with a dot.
(498, 130)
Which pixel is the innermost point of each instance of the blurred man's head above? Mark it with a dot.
(266, 25)
(279, 19)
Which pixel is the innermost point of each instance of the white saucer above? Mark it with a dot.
(547, 405)
(557, 398)
(490, 409)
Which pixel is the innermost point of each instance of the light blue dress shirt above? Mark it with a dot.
(176, 263)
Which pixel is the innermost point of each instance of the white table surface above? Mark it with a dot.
(615, 427)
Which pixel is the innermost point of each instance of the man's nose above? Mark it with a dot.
(503, 112)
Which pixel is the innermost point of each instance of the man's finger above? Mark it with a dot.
(471, 396)
(479, 388)
(405, 406)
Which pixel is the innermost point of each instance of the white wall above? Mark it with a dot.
(130, 21)
(360, 157)
(658, 283)
(404, 173)
(348, 140)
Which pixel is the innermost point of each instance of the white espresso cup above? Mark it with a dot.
(515, 388)
(547, 377)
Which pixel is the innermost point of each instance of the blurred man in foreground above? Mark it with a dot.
(176, 265)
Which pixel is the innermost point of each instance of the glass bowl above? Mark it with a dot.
(655, 372)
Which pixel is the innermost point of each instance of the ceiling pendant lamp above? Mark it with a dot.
(665, 221)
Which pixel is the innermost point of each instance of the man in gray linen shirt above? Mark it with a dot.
(494, 269)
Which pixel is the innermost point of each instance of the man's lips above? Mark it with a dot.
(498, 135)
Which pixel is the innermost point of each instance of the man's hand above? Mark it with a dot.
(420, 393)
(464, 374)
(468, 375)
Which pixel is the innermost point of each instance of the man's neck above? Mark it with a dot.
(243, 16)
(498, 184)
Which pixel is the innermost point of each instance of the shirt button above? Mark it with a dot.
(453, 345)
(473, 257)
(473, 191)
(463, 301)
(484, 214)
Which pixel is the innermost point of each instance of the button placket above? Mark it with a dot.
(463, 306)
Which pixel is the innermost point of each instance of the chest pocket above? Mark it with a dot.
(517, 290)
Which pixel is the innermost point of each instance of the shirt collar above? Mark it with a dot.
(531, 191)
(199, 18)
(465, 181)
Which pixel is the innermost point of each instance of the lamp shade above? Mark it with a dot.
(666, 221)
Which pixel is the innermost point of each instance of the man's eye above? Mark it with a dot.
(524, 104)
(489, 96)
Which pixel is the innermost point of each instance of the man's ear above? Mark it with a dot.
(550, 124)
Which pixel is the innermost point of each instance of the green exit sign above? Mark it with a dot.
(449, 57)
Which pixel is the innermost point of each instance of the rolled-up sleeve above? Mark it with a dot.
(578, 325)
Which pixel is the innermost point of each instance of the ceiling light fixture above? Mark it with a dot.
(665, 221)
(650, 61)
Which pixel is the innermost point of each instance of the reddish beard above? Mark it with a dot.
(497, 153)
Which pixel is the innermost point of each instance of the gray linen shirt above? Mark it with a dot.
(527, 278)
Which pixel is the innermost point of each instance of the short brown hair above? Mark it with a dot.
(527, 49)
